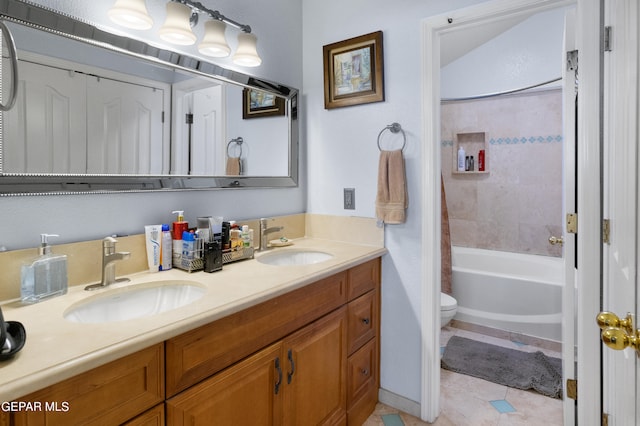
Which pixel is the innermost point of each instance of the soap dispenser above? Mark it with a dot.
(44, 277)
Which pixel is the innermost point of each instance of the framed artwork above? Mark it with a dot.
(256, 103)
(354, 71)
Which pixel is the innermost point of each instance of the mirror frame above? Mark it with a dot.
(45, 19)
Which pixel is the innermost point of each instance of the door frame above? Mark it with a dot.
(589, 200)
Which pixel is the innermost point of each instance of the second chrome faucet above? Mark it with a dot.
(264, 231)
(109, 257)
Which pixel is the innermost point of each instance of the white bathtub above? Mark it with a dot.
(509, 291)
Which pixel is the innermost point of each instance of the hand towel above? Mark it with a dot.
(391, 199)
(233, 166)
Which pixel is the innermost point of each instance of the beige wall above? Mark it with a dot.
(517, 206)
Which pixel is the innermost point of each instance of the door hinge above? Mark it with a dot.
(605, 419)
(572, 389)
(162, 117)
(572, 223)
(572, 60)
(606, 231)
(607, 39)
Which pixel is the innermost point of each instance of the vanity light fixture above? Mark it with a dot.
(182, 15)
(131, 14)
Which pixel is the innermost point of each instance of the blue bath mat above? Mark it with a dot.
(508, 367)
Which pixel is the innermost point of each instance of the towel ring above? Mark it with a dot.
(393, 128)
(238, 141)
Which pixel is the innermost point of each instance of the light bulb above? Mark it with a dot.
(131, 14)
(247, 54)
(176, 28)
(214, 42)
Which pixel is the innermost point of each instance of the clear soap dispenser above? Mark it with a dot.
(44, 277)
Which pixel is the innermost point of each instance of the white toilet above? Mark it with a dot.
(448, 308)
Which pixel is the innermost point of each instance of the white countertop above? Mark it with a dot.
(57, 349)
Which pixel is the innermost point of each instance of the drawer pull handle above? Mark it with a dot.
(279, 370)
(364, 371)
(366, 321)
(293, 367)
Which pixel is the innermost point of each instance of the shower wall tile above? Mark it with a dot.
(517, 206)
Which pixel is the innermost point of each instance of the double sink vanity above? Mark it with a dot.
(288, 337)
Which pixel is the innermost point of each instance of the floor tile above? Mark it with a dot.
(470, 401)
(502, 406)
(392, 420)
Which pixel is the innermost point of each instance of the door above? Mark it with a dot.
(569, 114)
(45, 131)
(124, 127)
(620, 199)
(315, 378)
(248, 393)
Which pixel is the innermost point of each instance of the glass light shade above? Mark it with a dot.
(176, 28)
(214, 42)
(131, 14)
(247, 53)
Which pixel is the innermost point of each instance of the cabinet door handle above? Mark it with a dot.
(366, 321)
(279, 370)
(11, 46)
(293, 366)
(364, 371)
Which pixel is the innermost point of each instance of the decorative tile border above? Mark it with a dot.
(522, 140)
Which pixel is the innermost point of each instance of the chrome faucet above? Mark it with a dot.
(109, 257)
(264, 231)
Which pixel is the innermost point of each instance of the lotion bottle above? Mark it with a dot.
(45, 276)
(461, 159)
(179, 226)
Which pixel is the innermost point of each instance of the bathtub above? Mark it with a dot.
(514, 292)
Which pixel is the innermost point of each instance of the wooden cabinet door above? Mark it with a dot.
(315, 372)
(107, 395)
(248, 393)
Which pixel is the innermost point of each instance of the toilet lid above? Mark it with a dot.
(447, 302)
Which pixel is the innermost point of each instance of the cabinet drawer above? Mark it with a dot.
(107, 395)
(362, 372)
(153, 417)
(363, 278)
(198, 354)
(362, 382)
(363, 320)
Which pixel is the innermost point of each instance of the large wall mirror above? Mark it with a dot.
(96, 111)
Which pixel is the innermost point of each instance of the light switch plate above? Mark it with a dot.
(349, 198)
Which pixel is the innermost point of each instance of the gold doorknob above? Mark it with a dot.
(618, 339)
(609, 319)
(617, 333)
(555, 240)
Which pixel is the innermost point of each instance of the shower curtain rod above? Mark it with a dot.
(507, 92)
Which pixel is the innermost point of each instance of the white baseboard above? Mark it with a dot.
(399, 402)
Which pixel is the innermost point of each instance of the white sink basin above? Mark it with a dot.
(294, 257)
(138, 301)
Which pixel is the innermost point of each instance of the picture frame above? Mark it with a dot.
(354, 71)
(256, 103)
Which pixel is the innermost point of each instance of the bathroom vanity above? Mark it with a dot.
(282, 345)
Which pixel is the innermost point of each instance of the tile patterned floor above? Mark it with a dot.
(469, 401)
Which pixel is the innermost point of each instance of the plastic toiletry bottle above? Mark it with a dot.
(481, 160)
(166, 248)
(188, 245)
(246, 238)
(45, 276)
(178, 228)
(461, 160)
